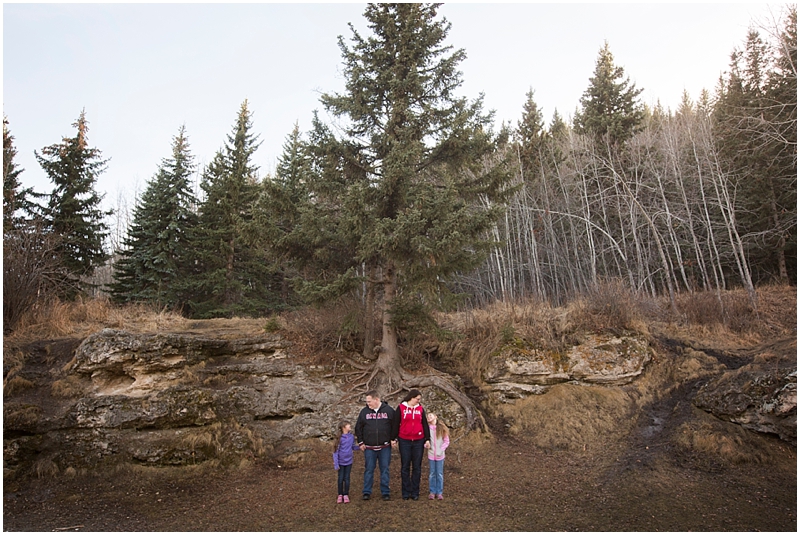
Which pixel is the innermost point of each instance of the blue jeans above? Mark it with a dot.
(382, 457)
(411, 452)
(344, 479)
(436, 477)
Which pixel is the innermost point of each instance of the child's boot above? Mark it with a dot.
(339, 499)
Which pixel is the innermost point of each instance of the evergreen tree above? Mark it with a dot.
(14, 197)
(531, 137)
(73, 211)
(230, 276)
(153, 263)
(277, 211)
(755, 124)
(411, 170)
(609, 106)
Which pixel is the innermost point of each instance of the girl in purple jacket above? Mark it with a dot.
(343, 448)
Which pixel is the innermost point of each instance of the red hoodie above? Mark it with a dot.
(411, 422)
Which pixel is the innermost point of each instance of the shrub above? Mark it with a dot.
(32, 273)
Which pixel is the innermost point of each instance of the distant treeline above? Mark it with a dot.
(415, 202)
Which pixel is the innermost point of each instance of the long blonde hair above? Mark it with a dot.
(441, 429)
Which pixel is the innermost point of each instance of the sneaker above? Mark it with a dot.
(440, 496)
(386, 497)
(366, 496)
(415, 498)
(431, 496)
(339, 499)
(346, 499)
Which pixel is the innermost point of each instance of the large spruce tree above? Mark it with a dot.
(153, 262)
(230, 276)
(73, 212)
(609, 107)
(409, 185)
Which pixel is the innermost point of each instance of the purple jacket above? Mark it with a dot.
(343, 455)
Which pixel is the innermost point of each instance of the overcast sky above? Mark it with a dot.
(142, 70)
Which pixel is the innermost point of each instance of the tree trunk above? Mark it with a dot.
(388, 373)
(369, 314)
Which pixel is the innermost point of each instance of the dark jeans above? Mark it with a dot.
(382, 458)
(411, 452)
(344, 479)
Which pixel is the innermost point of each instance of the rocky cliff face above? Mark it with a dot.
(172, 399)
(184, 398)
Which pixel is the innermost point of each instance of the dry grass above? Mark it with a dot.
(16, 385)
(483, 332)
(722, 441)
(45, 468)
(732, 311)
(571, 417)
(79, 318)
(69, 387)
(20, 415)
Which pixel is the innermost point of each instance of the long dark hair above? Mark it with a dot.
(412, 394)
(339, 433)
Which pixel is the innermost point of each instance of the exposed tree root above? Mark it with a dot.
(395, 380)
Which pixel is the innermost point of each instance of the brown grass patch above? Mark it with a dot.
(69, 387)
(45, 468)
(571, 417)
(20, 415)
(721, 441)
(15, 385)
(82, 317)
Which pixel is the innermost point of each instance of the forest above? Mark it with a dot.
(415, 201)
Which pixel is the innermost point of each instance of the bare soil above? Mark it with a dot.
(503, 485)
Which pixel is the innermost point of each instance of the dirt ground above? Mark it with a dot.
(494, 485)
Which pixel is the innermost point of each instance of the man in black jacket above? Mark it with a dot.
(375, 433)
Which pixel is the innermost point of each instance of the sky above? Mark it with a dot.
(140, 71)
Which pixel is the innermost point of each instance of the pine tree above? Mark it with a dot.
(73, 212)
(153, 266)
(609, 106)
(411, 170)
(230, 276)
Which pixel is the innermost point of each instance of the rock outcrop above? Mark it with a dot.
(519, 370)
(185, 398)
(173, 399)
(761, 396)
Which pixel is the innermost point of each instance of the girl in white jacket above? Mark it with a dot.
(440, 439)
